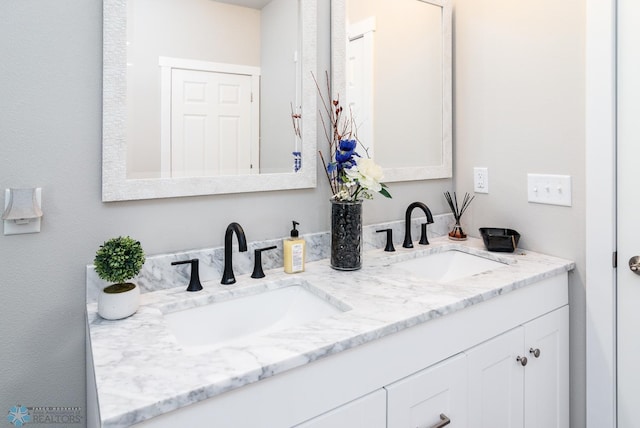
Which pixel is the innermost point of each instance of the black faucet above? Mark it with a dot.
(194, 281)
(389, 247)
(407, 224)
(227, 275)
(257, 261)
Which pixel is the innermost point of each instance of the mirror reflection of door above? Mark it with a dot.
(401, 64)
(210, 120)
(360, 66)
(261, 34)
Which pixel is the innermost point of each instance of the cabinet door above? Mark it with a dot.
(546, 376)
(367, 412)
(418, 401)
(496, 382)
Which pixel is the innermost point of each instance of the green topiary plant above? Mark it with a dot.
(118, 260)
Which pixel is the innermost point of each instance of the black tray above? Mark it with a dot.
(498, 239)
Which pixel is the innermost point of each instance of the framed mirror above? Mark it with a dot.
(391, 65)
(204, 97)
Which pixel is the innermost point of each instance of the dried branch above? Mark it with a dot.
(295, 119)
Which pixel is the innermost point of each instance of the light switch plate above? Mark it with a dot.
(549, 189)
(481, 180)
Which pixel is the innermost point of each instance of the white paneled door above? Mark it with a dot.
(211, 124)
(360, 86)
(628, 213)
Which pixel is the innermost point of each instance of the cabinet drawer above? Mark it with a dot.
(419, 400)
(366, 412)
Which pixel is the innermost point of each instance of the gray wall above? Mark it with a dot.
(519, 102)
(519, 108)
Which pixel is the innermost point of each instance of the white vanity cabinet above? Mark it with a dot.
(520, 379)
(461, 364)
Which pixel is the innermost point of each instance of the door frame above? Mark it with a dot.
(600, 152)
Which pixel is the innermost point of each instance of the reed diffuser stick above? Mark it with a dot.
(453, 204)
(457, 211)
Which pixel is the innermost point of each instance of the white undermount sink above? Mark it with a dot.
(448, 265)
(266, 311)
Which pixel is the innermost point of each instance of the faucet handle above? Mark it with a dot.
(257, 263)
(389, 247)
(194, 281)
(423, 234)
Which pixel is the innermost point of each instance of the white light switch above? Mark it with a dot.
(481, 180)
(549, 189)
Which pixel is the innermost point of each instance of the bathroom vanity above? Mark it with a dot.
(417, 337)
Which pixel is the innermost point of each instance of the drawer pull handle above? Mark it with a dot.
(444, 421)
(535, 352)
(522, 360)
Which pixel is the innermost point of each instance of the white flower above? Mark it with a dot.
(342, 195)
(367, 174)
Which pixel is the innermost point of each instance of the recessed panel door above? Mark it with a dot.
(628, 338)
(210, 124)
(360, 89)
(496, 382)
(546, 378)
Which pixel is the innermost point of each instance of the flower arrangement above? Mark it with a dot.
(351, 176)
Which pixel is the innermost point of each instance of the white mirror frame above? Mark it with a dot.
(338, 77)
(115, 184)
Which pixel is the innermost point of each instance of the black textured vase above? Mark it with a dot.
(346, 235)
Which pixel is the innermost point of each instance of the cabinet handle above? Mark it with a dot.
(522, 360)
(444, 421)
(535, 352)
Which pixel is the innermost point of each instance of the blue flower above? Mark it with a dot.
(347, 145)
(342, 157)
(345, 154)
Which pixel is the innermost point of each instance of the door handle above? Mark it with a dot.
(444, 421)
(634, 264)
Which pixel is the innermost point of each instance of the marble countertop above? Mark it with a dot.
(142, 371)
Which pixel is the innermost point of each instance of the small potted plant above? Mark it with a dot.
(118, 260)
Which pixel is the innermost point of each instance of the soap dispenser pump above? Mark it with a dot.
(295, 249)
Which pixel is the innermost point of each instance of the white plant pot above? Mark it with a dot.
(115, 306)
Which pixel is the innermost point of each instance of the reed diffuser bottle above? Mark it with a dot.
(457, 234)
